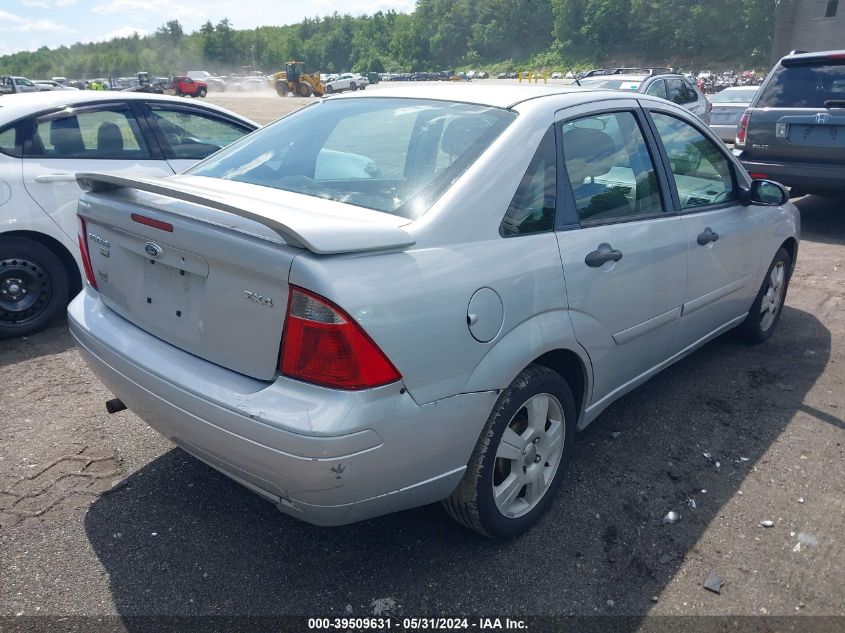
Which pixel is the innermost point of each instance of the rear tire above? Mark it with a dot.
(33, 286)
(281, 89)
(519, 462)
(765, 312)
(329, 89)
(201, 93)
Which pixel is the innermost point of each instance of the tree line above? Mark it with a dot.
(503, 35)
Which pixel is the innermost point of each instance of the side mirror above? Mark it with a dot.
(766, 193)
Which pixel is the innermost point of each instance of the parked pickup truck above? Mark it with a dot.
(13, 85)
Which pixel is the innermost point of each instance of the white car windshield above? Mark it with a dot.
(392, 155)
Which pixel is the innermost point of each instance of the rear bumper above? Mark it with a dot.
(805, 177)
(324, 456)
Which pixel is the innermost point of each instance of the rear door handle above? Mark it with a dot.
(55, 178)
(605, 253)
(707, 236)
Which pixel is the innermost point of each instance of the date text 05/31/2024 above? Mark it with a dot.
(416, 624)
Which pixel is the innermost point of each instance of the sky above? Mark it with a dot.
(31, 24)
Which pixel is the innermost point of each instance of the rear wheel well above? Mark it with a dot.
(68, 262)
(569, 365)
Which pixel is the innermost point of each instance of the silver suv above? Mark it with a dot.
(384, 301)
(672, 86)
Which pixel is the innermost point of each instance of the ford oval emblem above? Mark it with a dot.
(152, 249)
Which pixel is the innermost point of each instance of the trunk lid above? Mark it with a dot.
(726, 114)
(168, 258)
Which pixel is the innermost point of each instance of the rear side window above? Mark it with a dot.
(193, 134)
(657, 89)
(610, 168)
(532, 209)
(100, 132)
(804, 86)
(679, 92)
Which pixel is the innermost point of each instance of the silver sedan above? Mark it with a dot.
(727, 108)
(384, 301)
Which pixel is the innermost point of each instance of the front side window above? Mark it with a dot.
(532, 209)
(702, 173)
(193, 134)
(610, 168)
(387, 154)
(102, 132)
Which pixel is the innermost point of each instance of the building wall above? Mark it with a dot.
(802, 25)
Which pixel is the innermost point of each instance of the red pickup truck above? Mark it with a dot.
(185, 86)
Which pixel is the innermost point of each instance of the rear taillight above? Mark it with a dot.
(86, 256)
(324, 345)
(742, 130)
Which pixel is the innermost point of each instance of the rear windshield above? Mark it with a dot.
(734, 96)
(392, 155)
(805, 86)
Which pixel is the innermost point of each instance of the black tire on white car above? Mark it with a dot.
(353, 86)
(521, 457)
(34, 286)
(765, 312)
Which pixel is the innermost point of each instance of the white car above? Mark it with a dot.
(45, 139)
(347, 81)
(49, 84)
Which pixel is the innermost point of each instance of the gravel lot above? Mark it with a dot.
(101, 516)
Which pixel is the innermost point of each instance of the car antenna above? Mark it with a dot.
(575, 75)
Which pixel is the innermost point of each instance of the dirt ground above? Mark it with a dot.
(101, 516)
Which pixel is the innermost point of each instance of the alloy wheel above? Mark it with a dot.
(773, 296)
(528, 455)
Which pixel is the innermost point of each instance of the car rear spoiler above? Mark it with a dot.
(298, 228)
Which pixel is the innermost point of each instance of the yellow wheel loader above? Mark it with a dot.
(293, 80)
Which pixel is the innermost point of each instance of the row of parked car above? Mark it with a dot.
(796, 117)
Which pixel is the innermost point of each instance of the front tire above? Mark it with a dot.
(33, 287)
(521, 457)
(765, 312)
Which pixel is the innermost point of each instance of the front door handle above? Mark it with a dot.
(707, 236)
(605, 253)
(55, 177)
